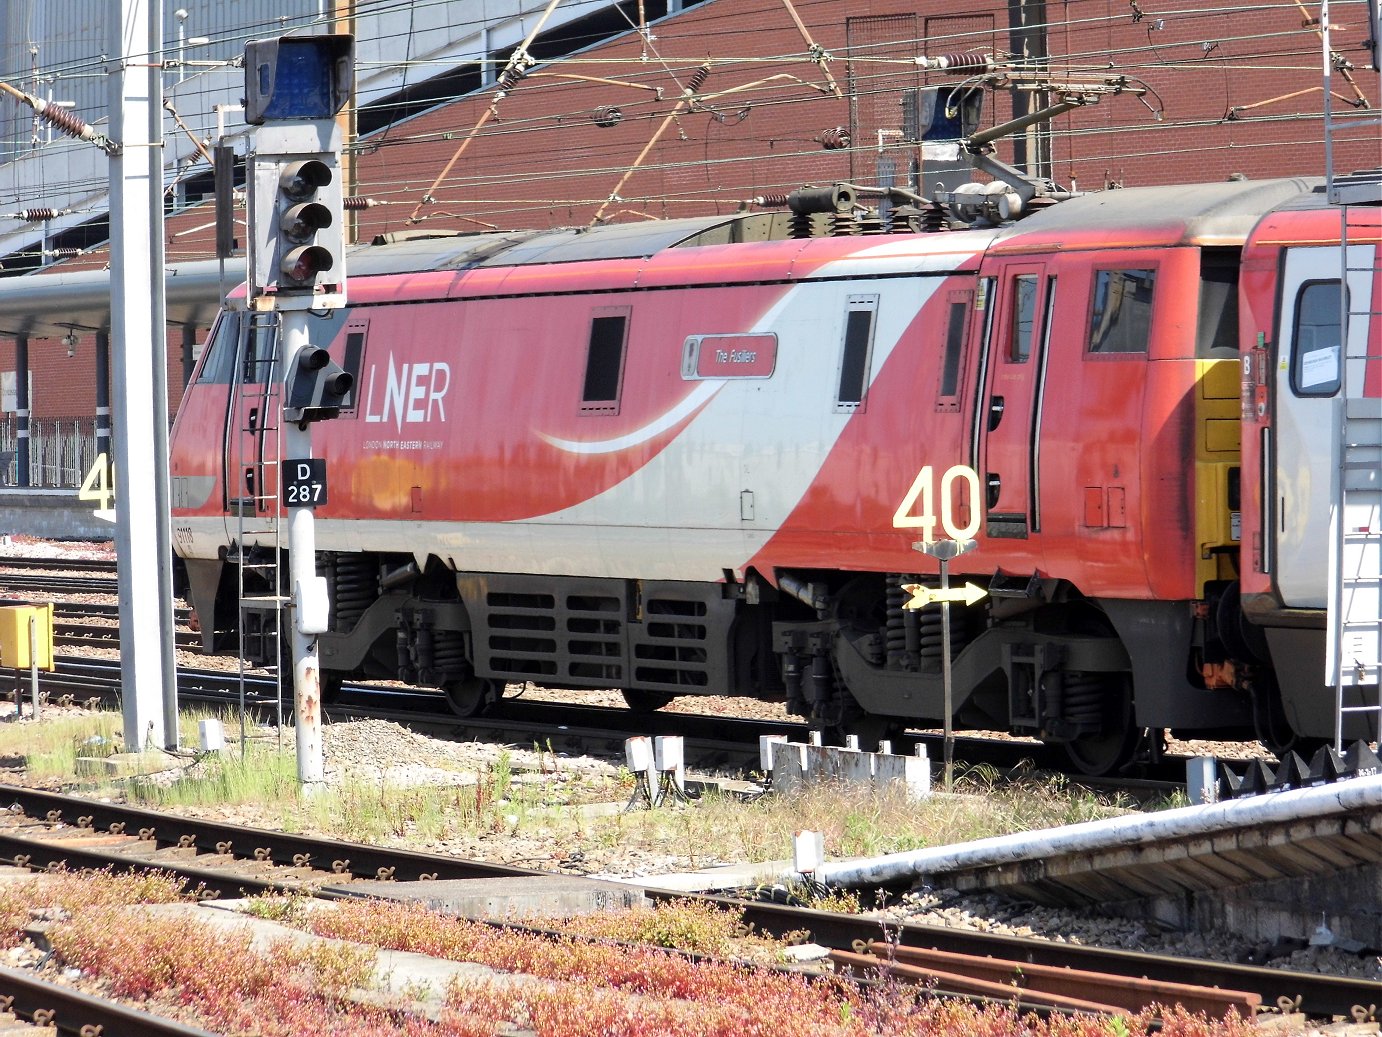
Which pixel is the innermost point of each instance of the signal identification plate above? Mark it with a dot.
(304, 482)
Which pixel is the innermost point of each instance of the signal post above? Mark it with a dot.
(294, 87)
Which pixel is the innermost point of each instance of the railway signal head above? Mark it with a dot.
(297, 230)
(294, 86)
(318, 387)
(309, 222)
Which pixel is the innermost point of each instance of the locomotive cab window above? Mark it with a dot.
(218, 365)
(350, 363)
(856, 352)
(261, 353)
(604, 363)
(1315, 340)
(1216, 333)
(1121, 311)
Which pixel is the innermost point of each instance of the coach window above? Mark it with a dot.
(1121, 313)
(855, 353)
(1315, 340)
(1216, 332)
(604, 363)
(261, 353)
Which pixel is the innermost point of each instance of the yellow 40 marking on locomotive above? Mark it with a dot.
(922, 496)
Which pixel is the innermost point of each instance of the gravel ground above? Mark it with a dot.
(15, 545)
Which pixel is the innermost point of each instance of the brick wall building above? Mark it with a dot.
(1215, 104)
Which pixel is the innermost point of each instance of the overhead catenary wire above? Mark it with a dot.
(516, 68)
(870, 71)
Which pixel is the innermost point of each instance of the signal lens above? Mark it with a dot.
(301, 265)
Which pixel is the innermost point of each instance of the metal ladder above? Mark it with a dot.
(258, 513)
(1354, 636)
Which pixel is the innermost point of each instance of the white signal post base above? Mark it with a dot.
(302, 573)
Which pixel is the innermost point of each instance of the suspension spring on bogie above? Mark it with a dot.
(353, 588)
(903, 631)
(933, 635)
(1082, 697)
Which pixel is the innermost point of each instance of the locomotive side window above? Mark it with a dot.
(350, 362)
(1315, 340)
(604, 363)
(1121, 317)
(219, 366)
(954, 343)
(1023, 314)
(854, 357)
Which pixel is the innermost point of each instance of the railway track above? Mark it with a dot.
(43, 830)
(713, 741)
(76, 565)
(54, 1007)
(96, 626)
(67, 578)
(601, 730)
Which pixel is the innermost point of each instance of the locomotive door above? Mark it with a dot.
(1307, 382)
(252, 432)
(1009, 413)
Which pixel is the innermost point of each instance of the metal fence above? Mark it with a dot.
(61, 451)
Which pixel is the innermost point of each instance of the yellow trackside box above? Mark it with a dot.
(14, 636)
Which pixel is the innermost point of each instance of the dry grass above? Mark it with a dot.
(49, 748)
(490, 805)
(857, 821)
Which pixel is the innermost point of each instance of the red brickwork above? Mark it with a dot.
(543, 161)
(65, 386)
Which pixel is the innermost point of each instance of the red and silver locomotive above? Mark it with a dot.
(694, 457)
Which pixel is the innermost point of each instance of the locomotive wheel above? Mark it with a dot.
(1101, 754)
(330, 688)
(1244, 640)
(641, 701)
(469, 697)
(1272, 727)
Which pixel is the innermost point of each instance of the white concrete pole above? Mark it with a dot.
(143, 541)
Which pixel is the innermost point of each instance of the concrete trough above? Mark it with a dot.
(513, 898)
